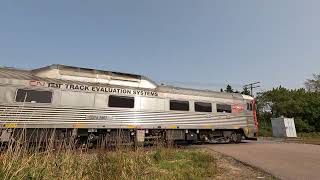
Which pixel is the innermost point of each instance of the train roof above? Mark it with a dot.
(68, 74)
(61, 73)
(199, 92)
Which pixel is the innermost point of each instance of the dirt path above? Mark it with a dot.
(283, 160)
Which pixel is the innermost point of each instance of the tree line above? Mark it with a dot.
(301, 104)
(229, 89)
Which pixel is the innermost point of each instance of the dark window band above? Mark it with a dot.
(202, 107)
(35, 96)
(121, 101)
(179, 105)
(226, 108)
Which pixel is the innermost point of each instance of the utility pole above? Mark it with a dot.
(252, 86)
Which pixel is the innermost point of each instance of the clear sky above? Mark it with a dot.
(205, 42)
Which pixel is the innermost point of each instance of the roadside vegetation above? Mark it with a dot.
(301, 104)
(309, 138)
(18, 162)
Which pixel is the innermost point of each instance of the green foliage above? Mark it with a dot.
(302, 126)
(246, 91)
(310, 135)
(185, 164)
(228, 89)
(265, 128)
(300, 104)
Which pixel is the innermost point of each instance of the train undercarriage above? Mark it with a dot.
(104, 138)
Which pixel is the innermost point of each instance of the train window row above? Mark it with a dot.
(36, 96)
(198, 106)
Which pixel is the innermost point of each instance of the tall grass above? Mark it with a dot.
(20, 161)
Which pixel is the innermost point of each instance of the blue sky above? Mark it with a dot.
(186, 42)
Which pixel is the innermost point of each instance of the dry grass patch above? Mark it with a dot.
(156, 163)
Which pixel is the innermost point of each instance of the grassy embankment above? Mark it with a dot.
(265, 130)
(309, 138)
(156, 163)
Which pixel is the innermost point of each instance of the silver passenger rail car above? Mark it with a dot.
(93, 105)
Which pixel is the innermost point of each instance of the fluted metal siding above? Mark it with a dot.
(46, 116)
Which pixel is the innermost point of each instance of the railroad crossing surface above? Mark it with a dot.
(283, 160)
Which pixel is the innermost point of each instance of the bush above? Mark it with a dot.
(265, 128)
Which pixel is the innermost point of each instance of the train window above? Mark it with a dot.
(224, 108)
(121, 101)
(34, 96)
(202, 107)
(179, 105)
(249, 106)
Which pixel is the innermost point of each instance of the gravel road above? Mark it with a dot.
(283, 160)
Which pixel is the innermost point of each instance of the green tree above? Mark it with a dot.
(246, 91)
(229, 89)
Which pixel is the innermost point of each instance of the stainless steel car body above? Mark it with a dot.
(80, 100)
